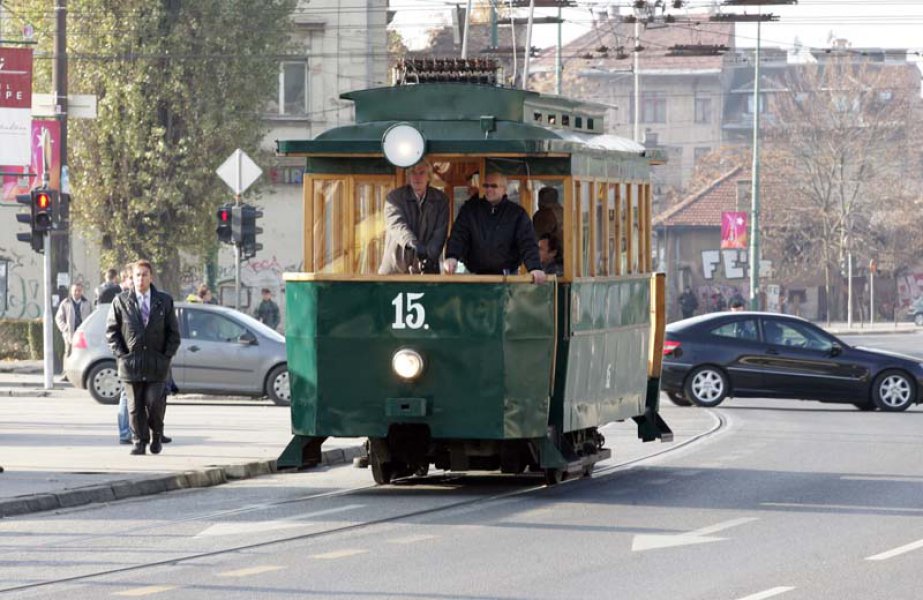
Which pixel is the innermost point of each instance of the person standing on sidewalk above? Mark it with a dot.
(143, 334)
(71, 313)
(108, 289)
(268, 311)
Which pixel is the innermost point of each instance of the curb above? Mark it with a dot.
(847, 332)
(121, 489)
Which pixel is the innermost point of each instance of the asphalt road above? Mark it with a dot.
(787, 499)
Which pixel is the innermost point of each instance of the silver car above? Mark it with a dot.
(222, 351)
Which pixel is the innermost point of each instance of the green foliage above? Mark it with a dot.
(20, 339)
(179, 85)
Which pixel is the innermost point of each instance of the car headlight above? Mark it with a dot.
(407, 364)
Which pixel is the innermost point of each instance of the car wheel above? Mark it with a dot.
(678, 399)
(918, 319)
(893, 391)
(706, 386)
(104, 383)
(277, 386)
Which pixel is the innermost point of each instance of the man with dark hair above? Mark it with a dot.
(268, 311)
(550, 254)
(109, 289)
(493, 235)
(416, 224)
(549, 218)
(143, 334)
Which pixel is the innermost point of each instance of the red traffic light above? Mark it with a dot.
(224, 215)
(42, 201)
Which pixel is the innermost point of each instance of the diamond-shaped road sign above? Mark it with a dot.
(239, 171)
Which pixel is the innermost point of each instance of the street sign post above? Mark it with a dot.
(238, 172)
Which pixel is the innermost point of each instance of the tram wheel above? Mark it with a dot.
(381, 472)
(554, 476)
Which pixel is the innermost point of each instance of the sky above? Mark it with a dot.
(865, 23)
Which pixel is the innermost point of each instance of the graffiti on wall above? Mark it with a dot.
(731, 263)
(909, 287)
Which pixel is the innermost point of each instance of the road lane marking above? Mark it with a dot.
(768, 593)
(146, 591)
(897, 551)
(250, 571)
(240, 528)
(412, 539)
(654, 541)
(840, 507)
(339, 553)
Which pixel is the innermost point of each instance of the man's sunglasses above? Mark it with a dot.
(491, 185)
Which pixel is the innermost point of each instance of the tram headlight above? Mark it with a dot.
(407, 364)
(403, 145)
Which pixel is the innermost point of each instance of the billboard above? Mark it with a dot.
(15, 105)
(734, 229)
(14, 179)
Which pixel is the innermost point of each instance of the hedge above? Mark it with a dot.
(22, 339)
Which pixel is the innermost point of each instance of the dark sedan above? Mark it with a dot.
(766, 355)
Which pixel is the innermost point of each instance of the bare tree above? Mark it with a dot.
(842, 140)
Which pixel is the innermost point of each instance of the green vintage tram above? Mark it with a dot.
(474, 372)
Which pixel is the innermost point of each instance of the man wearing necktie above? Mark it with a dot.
(143, 334)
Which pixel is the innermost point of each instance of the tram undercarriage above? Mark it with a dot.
(408, 450)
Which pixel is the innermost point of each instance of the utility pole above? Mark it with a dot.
(755, 191)
(58, 249)
(637, 90)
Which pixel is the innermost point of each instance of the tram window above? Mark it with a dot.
(600, 255)
(369, 226)
(513, 191)
(578, 122)
(565, 120)
(583, 193)
(635, 229)
(552, 119)
(612, 213)
(330, 232)
(537, 117)
(623, 227)
(589, 124)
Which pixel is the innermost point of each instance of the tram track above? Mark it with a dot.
(599, 475)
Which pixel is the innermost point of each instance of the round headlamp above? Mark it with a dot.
(407, 364)
(403, 145)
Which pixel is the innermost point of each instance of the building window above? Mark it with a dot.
(762, 103)
(703, 110)
(700, 151)
(293, 88)
(653, 108)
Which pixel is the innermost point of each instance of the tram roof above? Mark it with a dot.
(469, 119)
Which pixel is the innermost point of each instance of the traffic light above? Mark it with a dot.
(43, 207)
(249, 231)
(224, 225)
(35, 240)
(237, 226)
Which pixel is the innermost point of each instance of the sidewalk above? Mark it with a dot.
(841, 328)
(60, 448)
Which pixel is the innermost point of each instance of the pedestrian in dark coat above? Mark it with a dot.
(688, 303)
(108, 289)
(416, 224)
(143, 334)
(493, 236)
(268, 311)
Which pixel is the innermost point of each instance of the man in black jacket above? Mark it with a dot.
(144, 336)
(493, 235)
(108, 289)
